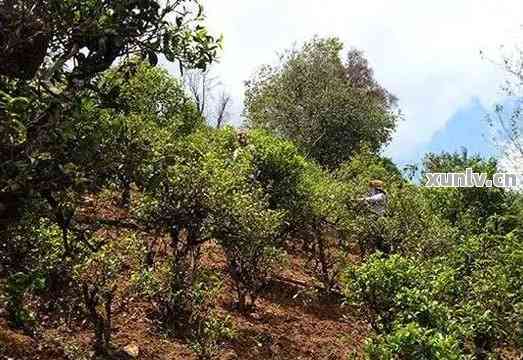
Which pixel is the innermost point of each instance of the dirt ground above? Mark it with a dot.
(290, 320)
(287, 323)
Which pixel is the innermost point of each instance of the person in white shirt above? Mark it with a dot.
(377, 199)
(376, 203)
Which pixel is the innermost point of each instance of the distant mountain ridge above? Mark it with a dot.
(467, 128)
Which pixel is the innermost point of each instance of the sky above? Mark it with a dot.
(427, 53)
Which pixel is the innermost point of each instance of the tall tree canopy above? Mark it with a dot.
(327, 105)
(52, 56)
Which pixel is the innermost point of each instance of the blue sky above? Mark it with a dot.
(466, 128)
(425, 52)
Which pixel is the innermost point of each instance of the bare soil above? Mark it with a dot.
(290, 320)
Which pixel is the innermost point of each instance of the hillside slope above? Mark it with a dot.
(290, 321)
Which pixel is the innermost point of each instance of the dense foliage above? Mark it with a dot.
(87, 118)
(53, 54)
(449, 285)
(326, 105)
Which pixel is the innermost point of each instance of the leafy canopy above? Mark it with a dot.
(328, 107)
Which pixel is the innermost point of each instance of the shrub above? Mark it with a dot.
(366, 165)
(135, 117)
(98, 279)
(488, 277)
(17, 313)
(279, 169)
(185, 301)
(34, 263)
(247, 231)
(471, 295)
(419, 305)
(408, 227)
(378, 283)
(206, 185)
(209, 335)
(411, 341)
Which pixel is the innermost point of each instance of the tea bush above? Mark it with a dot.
(414, 342)
(470, 295)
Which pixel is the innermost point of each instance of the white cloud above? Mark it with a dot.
(512, 163)
(425, 52)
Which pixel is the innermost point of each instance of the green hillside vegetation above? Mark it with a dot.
(120, 206)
